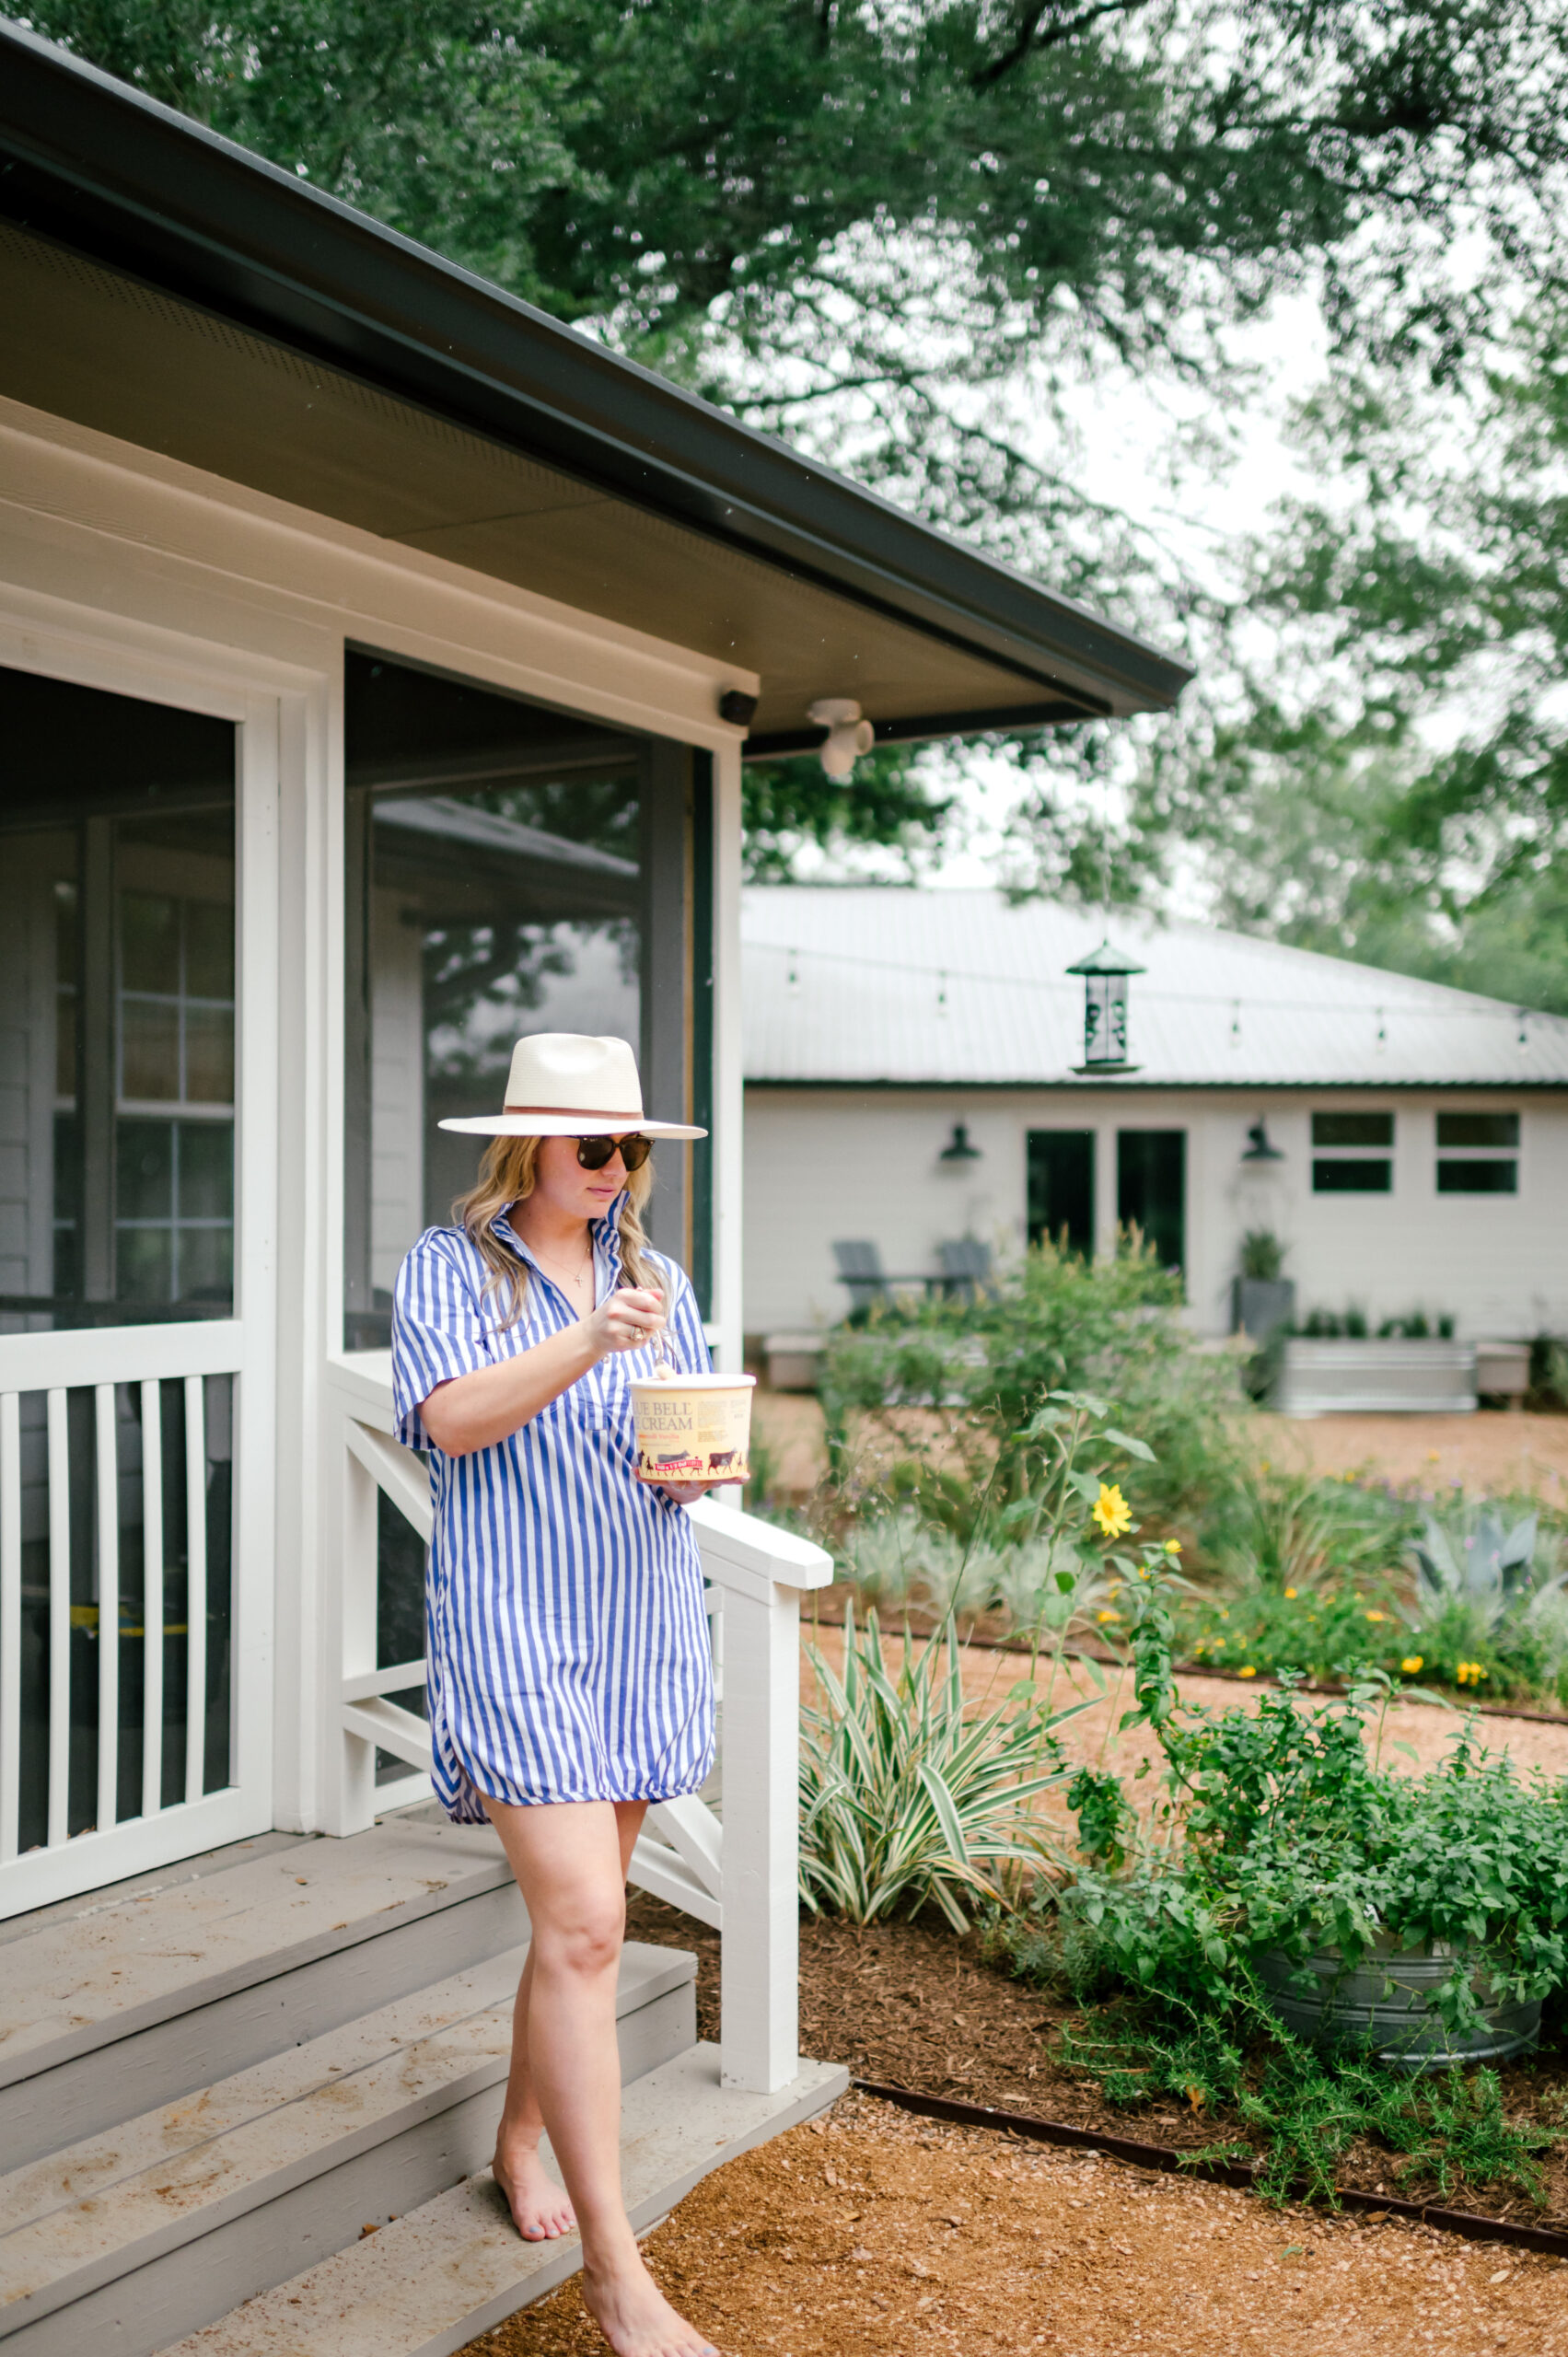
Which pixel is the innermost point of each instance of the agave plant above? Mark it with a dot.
(905, 1796)
(1470, 1557)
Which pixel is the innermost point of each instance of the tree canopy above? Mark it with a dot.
(900, 231)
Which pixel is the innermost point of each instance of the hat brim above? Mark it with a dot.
(565, 1125)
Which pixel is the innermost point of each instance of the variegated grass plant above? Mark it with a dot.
(908, 1796)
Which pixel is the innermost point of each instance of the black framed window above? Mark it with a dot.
(510, 869)
(1467, 1159)
(1344, 1170)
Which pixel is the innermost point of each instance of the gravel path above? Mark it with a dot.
(876, 2231)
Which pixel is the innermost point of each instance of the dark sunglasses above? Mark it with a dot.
(594, 1153)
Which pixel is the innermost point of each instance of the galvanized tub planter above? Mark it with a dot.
(1386, 2000)
(1375, 1376)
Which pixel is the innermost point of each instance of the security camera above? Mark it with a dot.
(848, 735)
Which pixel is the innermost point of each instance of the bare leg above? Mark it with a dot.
(570, 1859)
(540, 2210)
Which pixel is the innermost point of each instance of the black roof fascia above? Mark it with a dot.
(99, 166)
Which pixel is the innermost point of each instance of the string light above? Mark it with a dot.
(1423, 1012)
(941, 994)
(1236, 1023)
(793, 983)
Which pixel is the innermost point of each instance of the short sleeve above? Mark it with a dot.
(439, 1331)
(689, 1344)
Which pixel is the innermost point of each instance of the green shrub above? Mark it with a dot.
(1054, 1323)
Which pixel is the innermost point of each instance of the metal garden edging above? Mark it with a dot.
(1467, 2223)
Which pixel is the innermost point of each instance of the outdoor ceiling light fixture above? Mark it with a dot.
(957, 1148)
(1258, 1149)
(1105, 972)
(848, 735)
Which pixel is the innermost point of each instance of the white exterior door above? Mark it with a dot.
(138, 1214)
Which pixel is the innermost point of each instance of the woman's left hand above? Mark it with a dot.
(684, 1493)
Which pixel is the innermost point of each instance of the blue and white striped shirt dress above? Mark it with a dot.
(567, 1647)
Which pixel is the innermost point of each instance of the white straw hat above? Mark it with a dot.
(565, 1085)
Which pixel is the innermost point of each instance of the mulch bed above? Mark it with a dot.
(912, 2005)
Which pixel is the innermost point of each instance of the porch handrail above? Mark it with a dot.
(737, 1873)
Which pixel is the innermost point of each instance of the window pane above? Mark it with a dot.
(206, 1170)
(149, 1032)
(149, 942)
(496, 884)
(116, 823)
(1478, 1177)
(205, 1267)
(209, 1055)
(146, 1261)
(1478, 1129)
(1353, 1129)
(1353, 1178)
(209, 949)
(144, 1184)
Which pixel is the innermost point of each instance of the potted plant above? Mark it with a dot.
(1426, 1917)
(1263, 1299)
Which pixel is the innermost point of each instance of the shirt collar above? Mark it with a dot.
(605, 1231)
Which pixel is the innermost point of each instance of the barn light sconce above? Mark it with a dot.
(737, 707)
(1105, 972)
(1257, 1148)
(848, 735)
(957, 1148)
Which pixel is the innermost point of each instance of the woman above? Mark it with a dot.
(569, 1668)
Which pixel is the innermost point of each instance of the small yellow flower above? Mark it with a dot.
(1432, 1456)
(1225, 1612)
(1111, 1511)
(1248, 1672)
(1262, 1465)
(1104, 1618)
(1377, 1615)
(1412, 1664)
(1173, 1546)
(1219, 1644)
(1290, 1595)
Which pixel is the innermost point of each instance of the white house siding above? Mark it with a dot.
(828, 1164)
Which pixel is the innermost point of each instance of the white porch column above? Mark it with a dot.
(761, 1571)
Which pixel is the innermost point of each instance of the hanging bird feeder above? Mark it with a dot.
(1105, 972)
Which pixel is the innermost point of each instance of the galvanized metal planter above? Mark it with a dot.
(1387, 2000)
(1384, 1376)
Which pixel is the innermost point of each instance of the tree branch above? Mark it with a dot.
(1029, 38)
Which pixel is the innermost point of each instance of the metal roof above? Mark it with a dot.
(186, 295)
(887, 986)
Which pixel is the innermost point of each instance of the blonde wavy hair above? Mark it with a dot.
(507, 1175)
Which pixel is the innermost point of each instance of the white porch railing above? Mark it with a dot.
(735, 1872)
(96, 1780)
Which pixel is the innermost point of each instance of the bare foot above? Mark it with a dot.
(539, 2209)
(636, 2317)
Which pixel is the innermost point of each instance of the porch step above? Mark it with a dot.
(129, 2239)
(429, 2282)
(141, 2000)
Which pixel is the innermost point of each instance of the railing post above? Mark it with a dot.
(761, 1571)
(351, 1796)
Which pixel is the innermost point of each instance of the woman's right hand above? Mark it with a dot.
(625, 1321)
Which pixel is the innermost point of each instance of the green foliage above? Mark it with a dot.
(789, 804)
(906, 1796)
(1055, 1324)
(1299, 2112)
(1263, 1255)
(1281, 1834)
(1312, 1581)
